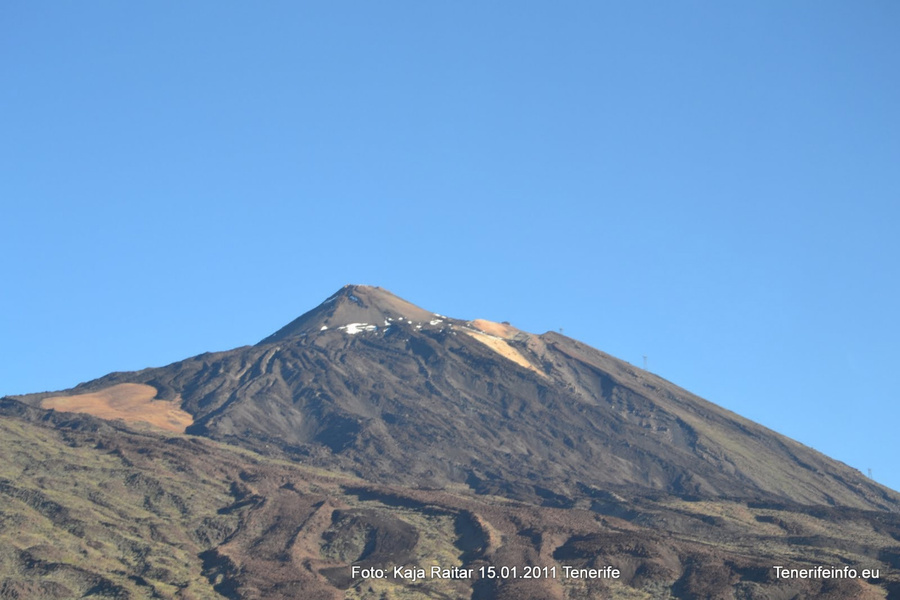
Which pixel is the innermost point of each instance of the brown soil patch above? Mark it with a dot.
(499, 329)
(503, 349)
(131, 402)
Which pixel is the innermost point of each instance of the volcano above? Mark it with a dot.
(378, 418)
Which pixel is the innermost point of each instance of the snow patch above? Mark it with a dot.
(324, 327)
(435, 321)
(354, 328)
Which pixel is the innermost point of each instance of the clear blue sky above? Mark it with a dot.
(713, 185)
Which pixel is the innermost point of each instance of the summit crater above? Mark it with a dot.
(353, 307)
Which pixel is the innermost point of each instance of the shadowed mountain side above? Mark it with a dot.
(92, 508)
(375, 386)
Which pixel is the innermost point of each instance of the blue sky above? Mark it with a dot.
(712, 185)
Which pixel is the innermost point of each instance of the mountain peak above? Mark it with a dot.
(353, 305)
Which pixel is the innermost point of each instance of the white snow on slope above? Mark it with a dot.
(354, 328)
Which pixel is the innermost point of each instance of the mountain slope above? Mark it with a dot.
(103, 510)
(372, 385)
(414, 440)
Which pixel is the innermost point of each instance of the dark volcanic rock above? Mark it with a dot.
(468, 444)
(374, 385)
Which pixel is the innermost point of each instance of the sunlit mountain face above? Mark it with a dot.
(372, 448)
